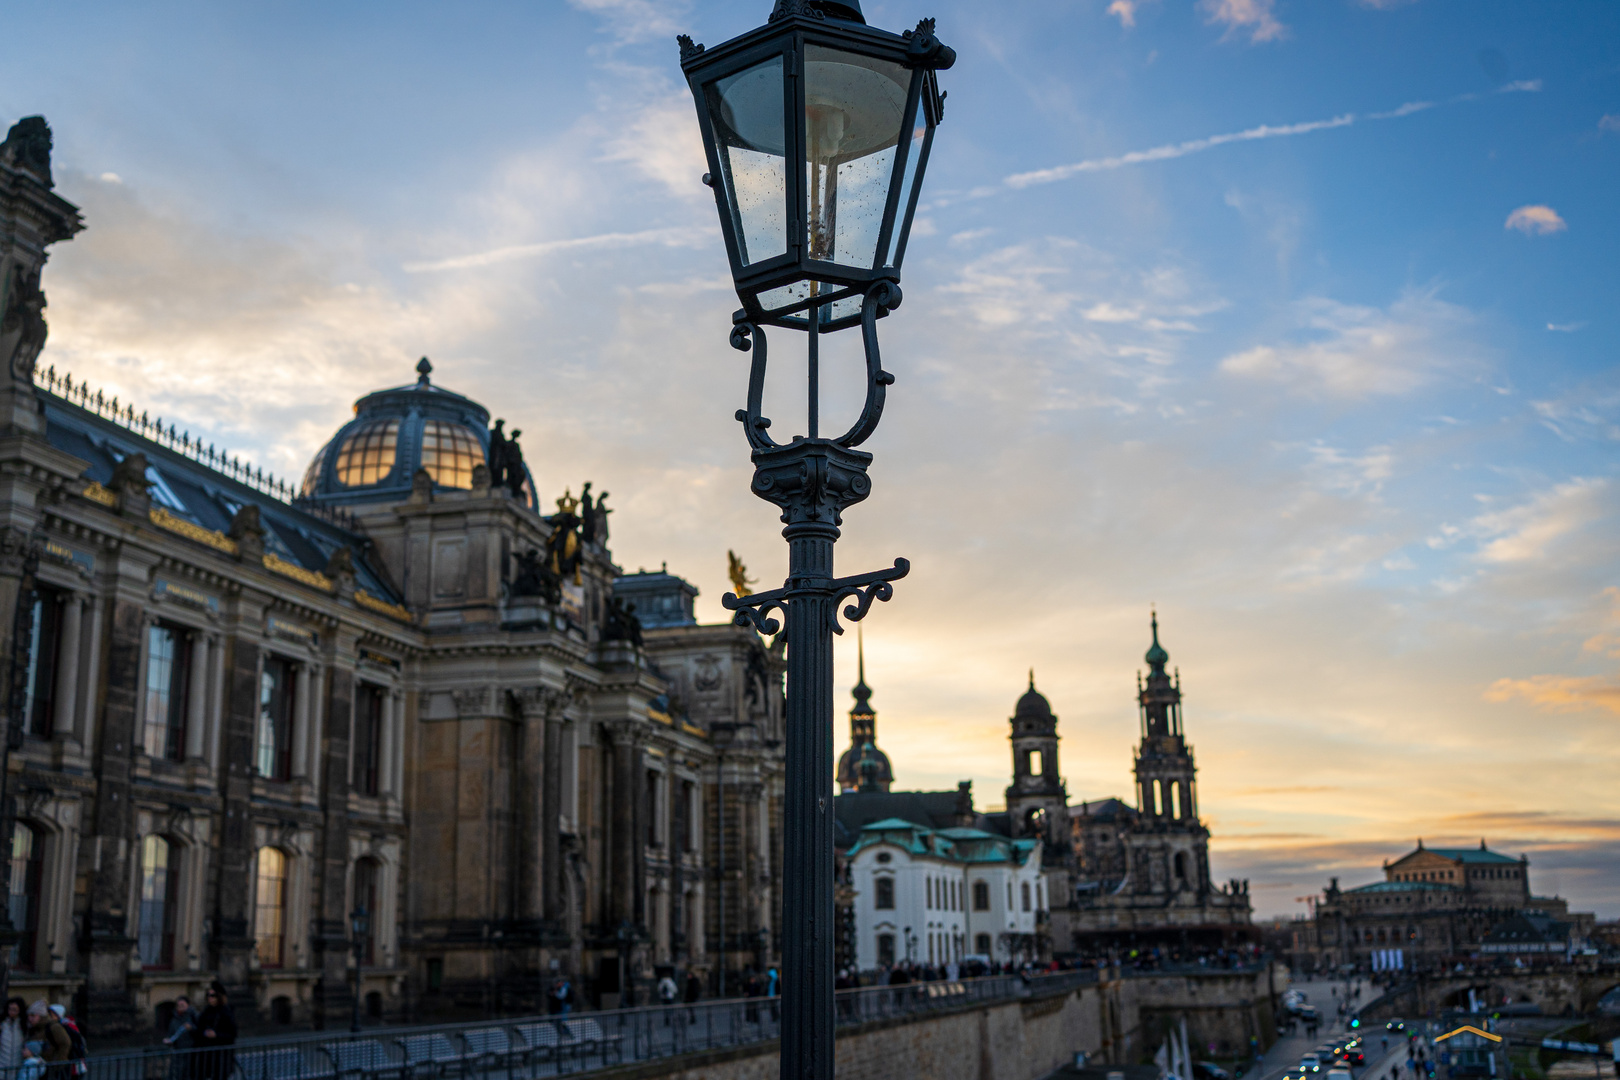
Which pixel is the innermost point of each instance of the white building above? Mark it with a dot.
(933, 896)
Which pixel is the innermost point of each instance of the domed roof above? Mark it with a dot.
(1156, 656)
(394, 433)
(1033, 705)
(865, 768)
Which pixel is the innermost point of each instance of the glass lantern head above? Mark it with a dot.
(359, 922)
(817, 129)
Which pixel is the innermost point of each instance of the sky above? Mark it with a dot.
(1294, 319)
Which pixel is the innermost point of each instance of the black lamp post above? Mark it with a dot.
(359, 931)
(817, 129)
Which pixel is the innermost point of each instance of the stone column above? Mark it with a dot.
(197, 699)
(218, 694)
(329, 932)
(67, 667)
(300, 747)
(232, 943)
(396, 706)
(628, 864)
(385, 744)
(107, 921)
(539, 783)
(84, 724)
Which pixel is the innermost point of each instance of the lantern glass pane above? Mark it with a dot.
(908, 184)
(854, 107)
(746, 111)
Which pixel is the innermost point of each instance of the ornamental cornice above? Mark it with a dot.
(544, 702)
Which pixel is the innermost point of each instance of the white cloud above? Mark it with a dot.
(1357, 352)
(674, 237)
(636, 20)
(1567, 327)
(111, 178)
(1175, 150)
(1125, 11)
(1609, 122)
(1535, 219)
(1527, 532)
(1254, 16)
(661, 140)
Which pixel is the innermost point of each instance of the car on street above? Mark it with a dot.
(1395, 1025)
(1353, 1056)
(1311, 1062)
(1339, 1074)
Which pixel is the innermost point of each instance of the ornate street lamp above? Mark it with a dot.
(359, 931)
(817, 129)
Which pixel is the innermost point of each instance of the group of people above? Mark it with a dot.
(40, 1042)
(211, 1029)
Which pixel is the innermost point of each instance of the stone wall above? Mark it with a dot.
(1119, 1020)
(1557, 993)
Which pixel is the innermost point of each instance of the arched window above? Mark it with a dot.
(1181, 866)
(1023, 890)
(27, 872)
(1158, 798)
(312, 475)
(1175, 801)
(1033, 763)
(449, 452)
(368, 895)
(367, 455)
(155, 934)
(981, 896)
(270, 908)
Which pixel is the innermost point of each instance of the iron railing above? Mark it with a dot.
(533, 1047)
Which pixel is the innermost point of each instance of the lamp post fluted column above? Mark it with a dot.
(817, 129)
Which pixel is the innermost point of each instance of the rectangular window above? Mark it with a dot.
(274, 757)
(683, 817)
(884, 898)
(44, 642)
(652, 808)
(981, 942)
(367, 750)
(885, 944)
(270, 907)
(981, 896)
(168, 681)
(27, 875)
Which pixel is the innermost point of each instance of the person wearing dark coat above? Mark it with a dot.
(216, 1034)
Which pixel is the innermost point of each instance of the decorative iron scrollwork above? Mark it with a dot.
(866, 588)
(754, 610)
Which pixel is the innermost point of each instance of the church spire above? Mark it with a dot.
(1156, 656)
(861, 692)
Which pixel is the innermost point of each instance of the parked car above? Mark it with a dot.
(1307, 1013)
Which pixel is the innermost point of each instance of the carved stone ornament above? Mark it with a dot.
(28, 146)
(707, 678)
(542, 701)
(471, 702)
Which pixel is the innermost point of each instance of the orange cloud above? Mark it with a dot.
(1559, 693)
(1537, 219)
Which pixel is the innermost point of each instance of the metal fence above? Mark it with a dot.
(534, 1047)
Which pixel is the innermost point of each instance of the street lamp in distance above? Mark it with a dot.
(817, 130)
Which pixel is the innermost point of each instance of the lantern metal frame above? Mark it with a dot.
(793, 28)
(811, 478)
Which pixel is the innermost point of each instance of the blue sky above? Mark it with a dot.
(1295, 319)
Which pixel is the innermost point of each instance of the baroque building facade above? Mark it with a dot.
(243, 712)
(1113, 877)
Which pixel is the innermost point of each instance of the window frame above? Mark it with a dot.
(267, 958)
(28, 887)
(366, 767)
(279, 748)
(166, 916)
(176, 695)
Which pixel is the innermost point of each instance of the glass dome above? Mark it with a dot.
(394, 433)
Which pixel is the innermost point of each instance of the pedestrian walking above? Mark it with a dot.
(55, 1044)
(13, 1034)
(666, 995)
(181, 1037)
(694, 991)
(33, 1065)
(773, 988)
(216, 1034)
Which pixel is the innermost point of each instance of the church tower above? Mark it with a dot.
(863, 767)
(1037, 801)
(1167, 795)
